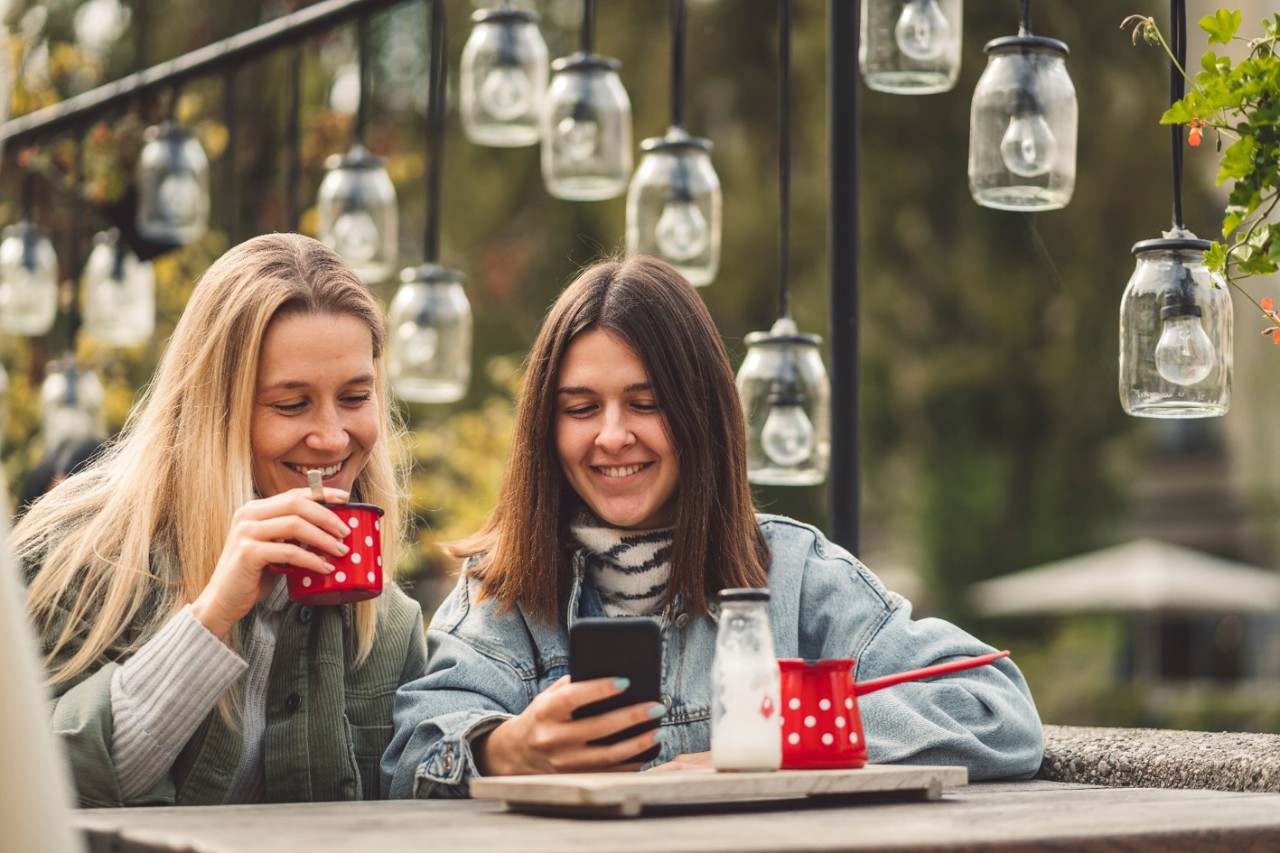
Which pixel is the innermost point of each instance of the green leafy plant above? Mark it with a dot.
(1240, 104)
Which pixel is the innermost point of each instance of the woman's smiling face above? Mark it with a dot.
(315, 404)
(611, 435)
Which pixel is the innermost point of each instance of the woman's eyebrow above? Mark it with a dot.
(293, 384)
(583, 389)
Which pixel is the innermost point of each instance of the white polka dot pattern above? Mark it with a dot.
(820, 726)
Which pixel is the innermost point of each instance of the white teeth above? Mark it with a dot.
(620, 471)
(326, 472)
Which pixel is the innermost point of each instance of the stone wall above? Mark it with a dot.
(1159, 758)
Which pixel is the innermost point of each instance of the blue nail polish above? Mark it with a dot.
(622, 683)
(657, 710)
(660, 736)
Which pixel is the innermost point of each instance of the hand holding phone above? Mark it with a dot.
(619, 647)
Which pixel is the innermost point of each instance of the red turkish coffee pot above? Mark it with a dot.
(821, 727)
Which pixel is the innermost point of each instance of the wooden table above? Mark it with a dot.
(1006, 816)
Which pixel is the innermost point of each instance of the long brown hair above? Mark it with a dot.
(182, 465)
(717, 542)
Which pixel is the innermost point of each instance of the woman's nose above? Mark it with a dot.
(328, 433)
(615, 434)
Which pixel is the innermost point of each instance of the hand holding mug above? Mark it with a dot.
(290, 528)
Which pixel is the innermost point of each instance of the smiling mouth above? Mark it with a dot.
(325, 472)
(619, 471)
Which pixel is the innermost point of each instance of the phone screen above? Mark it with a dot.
(619, 647)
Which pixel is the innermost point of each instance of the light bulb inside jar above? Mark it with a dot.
(355, 236)
(787, 438)
(1184, 354)
(416, 344)
(682, 232)
(178, 198)
(506, 92)
(922, 31)
(1028, 145)
(577, 138)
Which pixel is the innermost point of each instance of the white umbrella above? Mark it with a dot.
(1144, 576)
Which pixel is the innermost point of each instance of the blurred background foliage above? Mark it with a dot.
(992, 438)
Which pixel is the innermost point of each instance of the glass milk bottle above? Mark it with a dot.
(745, 685)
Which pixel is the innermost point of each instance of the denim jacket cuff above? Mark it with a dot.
(450, 765)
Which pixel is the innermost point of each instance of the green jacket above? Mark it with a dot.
(327, 721)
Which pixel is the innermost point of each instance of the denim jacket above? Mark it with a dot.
(486, 665)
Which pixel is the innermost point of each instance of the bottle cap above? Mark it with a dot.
(743, 594)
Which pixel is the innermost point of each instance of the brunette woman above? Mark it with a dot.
(626, 493)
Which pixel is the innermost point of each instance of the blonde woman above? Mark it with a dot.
(181, 671)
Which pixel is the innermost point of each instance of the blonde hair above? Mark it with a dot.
(182, 465)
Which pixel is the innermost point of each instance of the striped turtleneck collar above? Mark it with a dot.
(630, 568)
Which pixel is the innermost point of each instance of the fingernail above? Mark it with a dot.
(660, 736)
(621, 683)
(344, 531)
(343, 548)
(657, 710)
(330, 567)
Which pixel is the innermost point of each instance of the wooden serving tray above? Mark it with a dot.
(628, 794)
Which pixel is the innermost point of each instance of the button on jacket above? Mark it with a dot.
(486, 665)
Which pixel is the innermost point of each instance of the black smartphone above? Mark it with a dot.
(619, 647)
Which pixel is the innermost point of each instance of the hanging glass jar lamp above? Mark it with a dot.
(357, 214)
(429, 339)
(786, 397)
(172, 181)
(503, 78)
(28, 281)
(429, 320)
(1175, 332)
(71, 404)
(911, 47)
(1022, 126)
(119, 293)
(586, 129)
(674, 203)
(674, 206)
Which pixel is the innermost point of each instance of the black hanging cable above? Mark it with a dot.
(366, 77)
(28, 194)
(230, 184)
(1178, 45)
(1024, 18)
(784, 155)
(30, 236)
(293, 139)
(586, 35)
(436, 81)
(677, 62)
(73, 249)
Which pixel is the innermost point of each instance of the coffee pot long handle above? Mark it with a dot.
(863, 687)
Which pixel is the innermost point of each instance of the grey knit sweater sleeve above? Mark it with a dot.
(160, 696)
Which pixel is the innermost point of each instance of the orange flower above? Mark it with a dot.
(1195, 131)
(1275, 337)
(1267, 303)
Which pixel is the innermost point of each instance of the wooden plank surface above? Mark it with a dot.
(1014, 816)
(627, 794)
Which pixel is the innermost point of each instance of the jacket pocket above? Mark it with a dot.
(368, 743)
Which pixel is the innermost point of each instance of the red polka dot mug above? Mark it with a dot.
(356, 576)
(821, 727)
